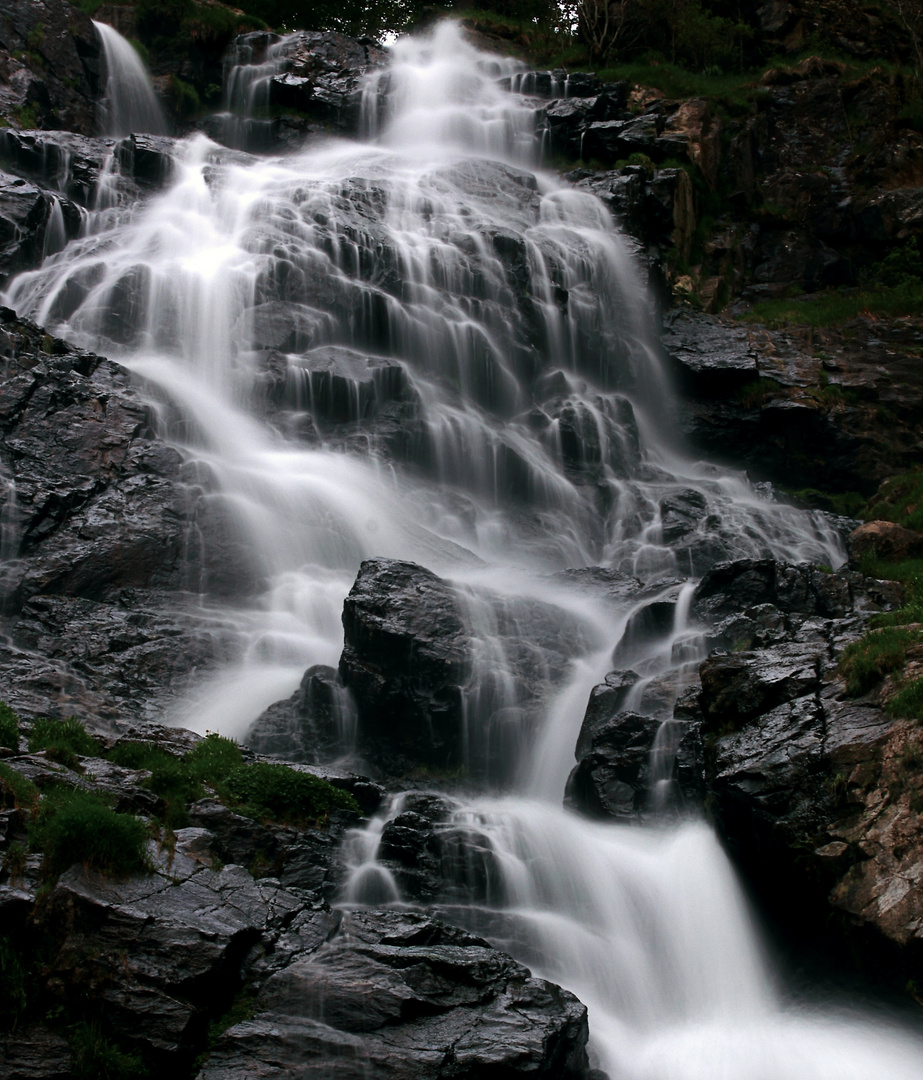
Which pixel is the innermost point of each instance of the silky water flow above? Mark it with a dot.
(439, 264)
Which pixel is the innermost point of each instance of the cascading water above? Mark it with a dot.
(478, 333)
(129, 104)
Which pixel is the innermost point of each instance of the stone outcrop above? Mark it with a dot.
(151, 960)
(400, 995)
(50, 67)
(96, 517)
(427, 692)
(836, 408)
(817, 793)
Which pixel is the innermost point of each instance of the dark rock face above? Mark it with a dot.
(317, 78)
(612, 778)
(33, 223)
(421, 662)
(787, 407)
(312, 725)
(96, 514)
(799, 772)
(51, 60)
(405, 659)
(400, 995)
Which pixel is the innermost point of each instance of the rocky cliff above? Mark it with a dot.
(110, 538)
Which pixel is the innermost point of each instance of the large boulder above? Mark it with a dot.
(445, 678)
(397, 995)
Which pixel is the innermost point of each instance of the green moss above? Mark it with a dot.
(278, 793)
(899, 499)
(9, 727)
(866, 662)
(78, 826)
(26, 116)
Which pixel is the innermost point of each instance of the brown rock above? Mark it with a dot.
(885, 540)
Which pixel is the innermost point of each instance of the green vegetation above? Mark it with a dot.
(96, 1057)
(866, 662)
(17, 792)
(9, 727)
(278, 793)
(73, 825)
(62, 740)
(900, 499)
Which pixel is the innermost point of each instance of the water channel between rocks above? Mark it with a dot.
(424, 347)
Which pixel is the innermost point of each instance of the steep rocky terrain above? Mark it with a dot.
(109, 538)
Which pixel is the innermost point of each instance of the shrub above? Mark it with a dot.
(908, 702)
(17, 791)
(77, 826)
(9, 727)
(214, 759)
(95, 1057)
(62, 737)
(278, 793)
(867, 661)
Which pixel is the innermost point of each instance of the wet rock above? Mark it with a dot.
(311, 725)
(711, 358)
(97, 522)
(32, 223)
(806, 782)
(405, 659)
(431, 667)
(612, 778)
(166, 947)
(58, 161)
(322, 73)
(403, 995)
(51, 56)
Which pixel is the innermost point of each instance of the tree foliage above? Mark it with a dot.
(697, 34)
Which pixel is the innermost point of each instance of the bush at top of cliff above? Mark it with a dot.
(62, 740)
(75, 826)
(278, 793)
(9, 727)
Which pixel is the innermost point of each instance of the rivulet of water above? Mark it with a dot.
(497, 313)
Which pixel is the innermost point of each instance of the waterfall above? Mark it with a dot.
(129, 104)
(459, 353)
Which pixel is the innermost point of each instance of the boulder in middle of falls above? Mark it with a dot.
(447, 679)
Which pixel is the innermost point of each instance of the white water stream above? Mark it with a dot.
(511, 303)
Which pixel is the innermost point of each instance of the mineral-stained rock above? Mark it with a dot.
(807, 784)
(397, 995)
(885, 540)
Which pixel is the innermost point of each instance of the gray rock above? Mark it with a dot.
(400, 995)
